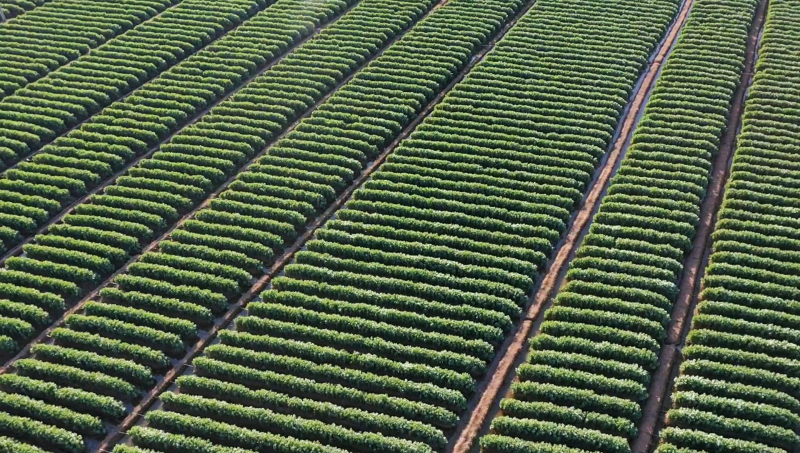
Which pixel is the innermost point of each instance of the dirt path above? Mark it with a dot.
(695, 263)
(236, 309)
(549, 284)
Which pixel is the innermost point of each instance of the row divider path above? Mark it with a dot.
(581, 221)
(225, 320)
(697, 260)
(535, 318)
(16, 251)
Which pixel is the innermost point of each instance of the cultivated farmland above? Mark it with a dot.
(590, 364)
(737, 387)
(455, 226)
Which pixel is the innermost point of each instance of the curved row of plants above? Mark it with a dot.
(61, 31)
(113, 350)
(374, 337)
(739, 385)
(589, 368)
(100, 235)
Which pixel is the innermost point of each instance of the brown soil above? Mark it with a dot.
(695, 263)
(548, 286)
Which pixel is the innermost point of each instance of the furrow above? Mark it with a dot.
(224, 321)
(386, 318)
(512, 351)
(737, 385)
(589, 369)
(138, 344)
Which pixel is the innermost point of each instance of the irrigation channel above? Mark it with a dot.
(485, 402)
(226, 320)
(579, 223)
(512, 352)
(223, 321)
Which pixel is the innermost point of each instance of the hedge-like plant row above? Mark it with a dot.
(43, 110)
(398, 304)
(100, 235)
(59, 32)
(599, 342)
(738, 387)
(117, 346)
(58, 97)
(348, 391)
(13, 8)
(39, 188)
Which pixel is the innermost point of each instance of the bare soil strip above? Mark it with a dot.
(286, 258)
(236, 309)
(696, 261)
(551, 280)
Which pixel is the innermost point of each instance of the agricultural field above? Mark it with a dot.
(402, 226)
(590, 365)
(738, 384)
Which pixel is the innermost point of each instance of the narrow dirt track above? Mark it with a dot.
(298, 245)
(17, 249)
(548, 286)
(695, 263)
(277, 267)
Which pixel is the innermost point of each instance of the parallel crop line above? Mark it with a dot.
(44, 335)
(286, 258)
(559, 264)
(149, 20)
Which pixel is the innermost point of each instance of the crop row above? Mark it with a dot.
(39, 188)
(326, 393)
(113, 348)
(45, 109)
(61, 31)
(395, 308)
(589, 368)
(13, 8)
(101, 234)
(738, 387)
